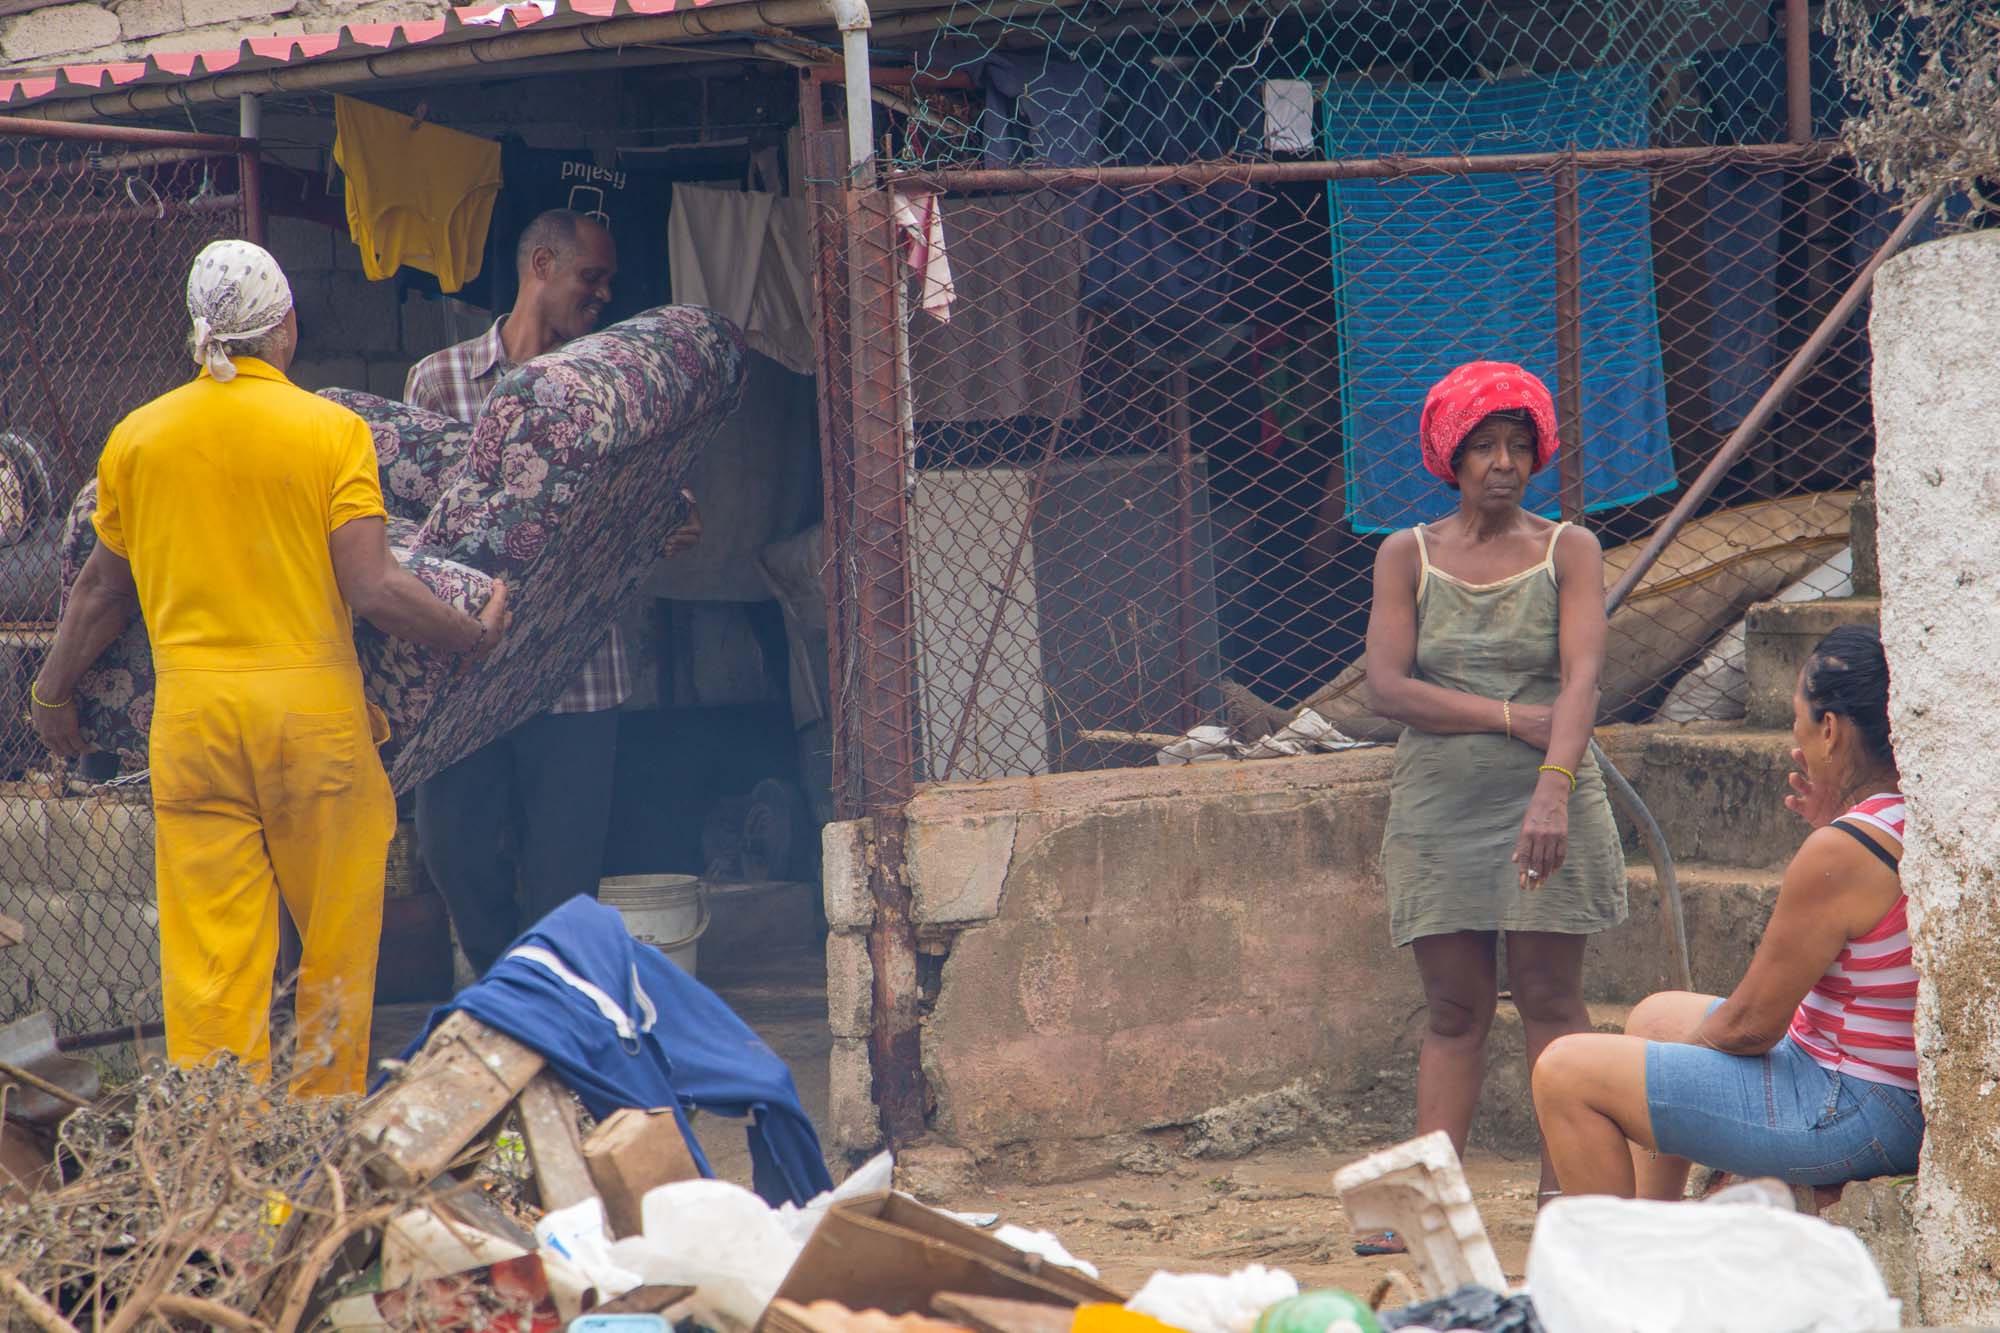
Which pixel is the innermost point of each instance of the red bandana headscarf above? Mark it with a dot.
(1470, 394)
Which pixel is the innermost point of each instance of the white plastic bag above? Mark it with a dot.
(1204, 1303)
(1045, 1246)
(1602, 1265)
(716, 1237)
(871, 1178)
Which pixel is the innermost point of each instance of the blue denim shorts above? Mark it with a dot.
(1779, 1114)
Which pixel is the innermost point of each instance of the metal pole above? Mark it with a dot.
(886, 687)
(1182, 434)
(33, 128)
(250, 123)
(1569, 342)
(1798, 72)
(1788, 379)
(1020, 179)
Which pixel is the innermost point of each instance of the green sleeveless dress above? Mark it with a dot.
(1456, 802)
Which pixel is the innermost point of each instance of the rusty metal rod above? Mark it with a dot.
(1017, 179)
(35, 128)
(1781, 388)
(1004, 596)
(1184, 554)
(217, 203)
(1798, 72)
(1569, 341)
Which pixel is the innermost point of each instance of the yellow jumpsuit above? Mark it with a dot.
(266, 779)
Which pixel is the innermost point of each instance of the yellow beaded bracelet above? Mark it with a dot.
(1558, 768)
(39, 702)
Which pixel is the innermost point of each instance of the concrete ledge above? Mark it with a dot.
(1719, 794)
(1778, 636)
(1726, 909)
(748, 919)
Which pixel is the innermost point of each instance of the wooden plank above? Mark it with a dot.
(657, 1300)
(12, 932)
(465, 1075)
(987, 1314)
(555, 1145)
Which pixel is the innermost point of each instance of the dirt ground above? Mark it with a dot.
(1275, 1207)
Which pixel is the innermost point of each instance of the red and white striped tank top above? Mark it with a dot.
(1859, 1018)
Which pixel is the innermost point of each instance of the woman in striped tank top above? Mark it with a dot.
(1808, 1070)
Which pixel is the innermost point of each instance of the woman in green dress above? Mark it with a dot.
(1486, 641)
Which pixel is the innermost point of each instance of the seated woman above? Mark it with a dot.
(1808, 1070)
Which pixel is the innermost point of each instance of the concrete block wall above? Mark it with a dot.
(79, 872)
(91, 32)
(354, 333)
(847, 856)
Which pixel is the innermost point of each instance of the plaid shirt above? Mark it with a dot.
(457, 382)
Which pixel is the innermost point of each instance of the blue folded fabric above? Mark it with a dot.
(623, 1026)
(1432, 271)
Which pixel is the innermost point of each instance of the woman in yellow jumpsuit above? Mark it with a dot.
(245, 517)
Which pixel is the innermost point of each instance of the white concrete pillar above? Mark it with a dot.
(1936, 335)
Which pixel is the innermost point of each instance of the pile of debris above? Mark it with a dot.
(466, 1193)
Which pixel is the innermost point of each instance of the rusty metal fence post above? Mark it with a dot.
(884, 646)
(1569, 340)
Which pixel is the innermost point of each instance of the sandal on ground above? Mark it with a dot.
(1382, 1242)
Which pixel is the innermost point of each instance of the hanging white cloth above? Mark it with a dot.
(920, 223)
(747, 254)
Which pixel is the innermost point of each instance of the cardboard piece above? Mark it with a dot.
(631, 1153)
(888, 1252)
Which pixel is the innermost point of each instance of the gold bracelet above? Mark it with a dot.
(1558, 768)
(1507, 716)
(39, 702)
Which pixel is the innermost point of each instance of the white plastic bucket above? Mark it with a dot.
(669, 912)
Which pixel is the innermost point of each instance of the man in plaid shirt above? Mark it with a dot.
(551, 776)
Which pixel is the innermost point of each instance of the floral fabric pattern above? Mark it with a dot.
(567, 487)
(416, 451)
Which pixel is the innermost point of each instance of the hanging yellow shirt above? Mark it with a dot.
(222, 497)
(417, 194)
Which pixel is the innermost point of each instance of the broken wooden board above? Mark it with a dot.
(450, 1091)
(662, 1301)
(555, 1145)
(987, 1314)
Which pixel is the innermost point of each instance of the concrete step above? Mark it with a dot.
(1718, 793)
(748, 920)
(1506, 1119)
(1725, 909)
(1777, 638)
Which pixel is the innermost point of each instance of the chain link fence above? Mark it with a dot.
(97, 228)
(1204, 262)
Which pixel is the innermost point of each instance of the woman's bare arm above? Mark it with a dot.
(1391, 657)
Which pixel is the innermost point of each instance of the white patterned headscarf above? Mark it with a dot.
(235, 290)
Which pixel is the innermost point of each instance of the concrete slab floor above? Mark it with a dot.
(781, 995)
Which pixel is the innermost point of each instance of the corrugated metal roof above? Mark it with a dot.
(468, 23)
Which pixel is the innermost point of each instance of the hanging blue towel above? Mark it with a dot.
(622, 1026)
(1432, 271)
